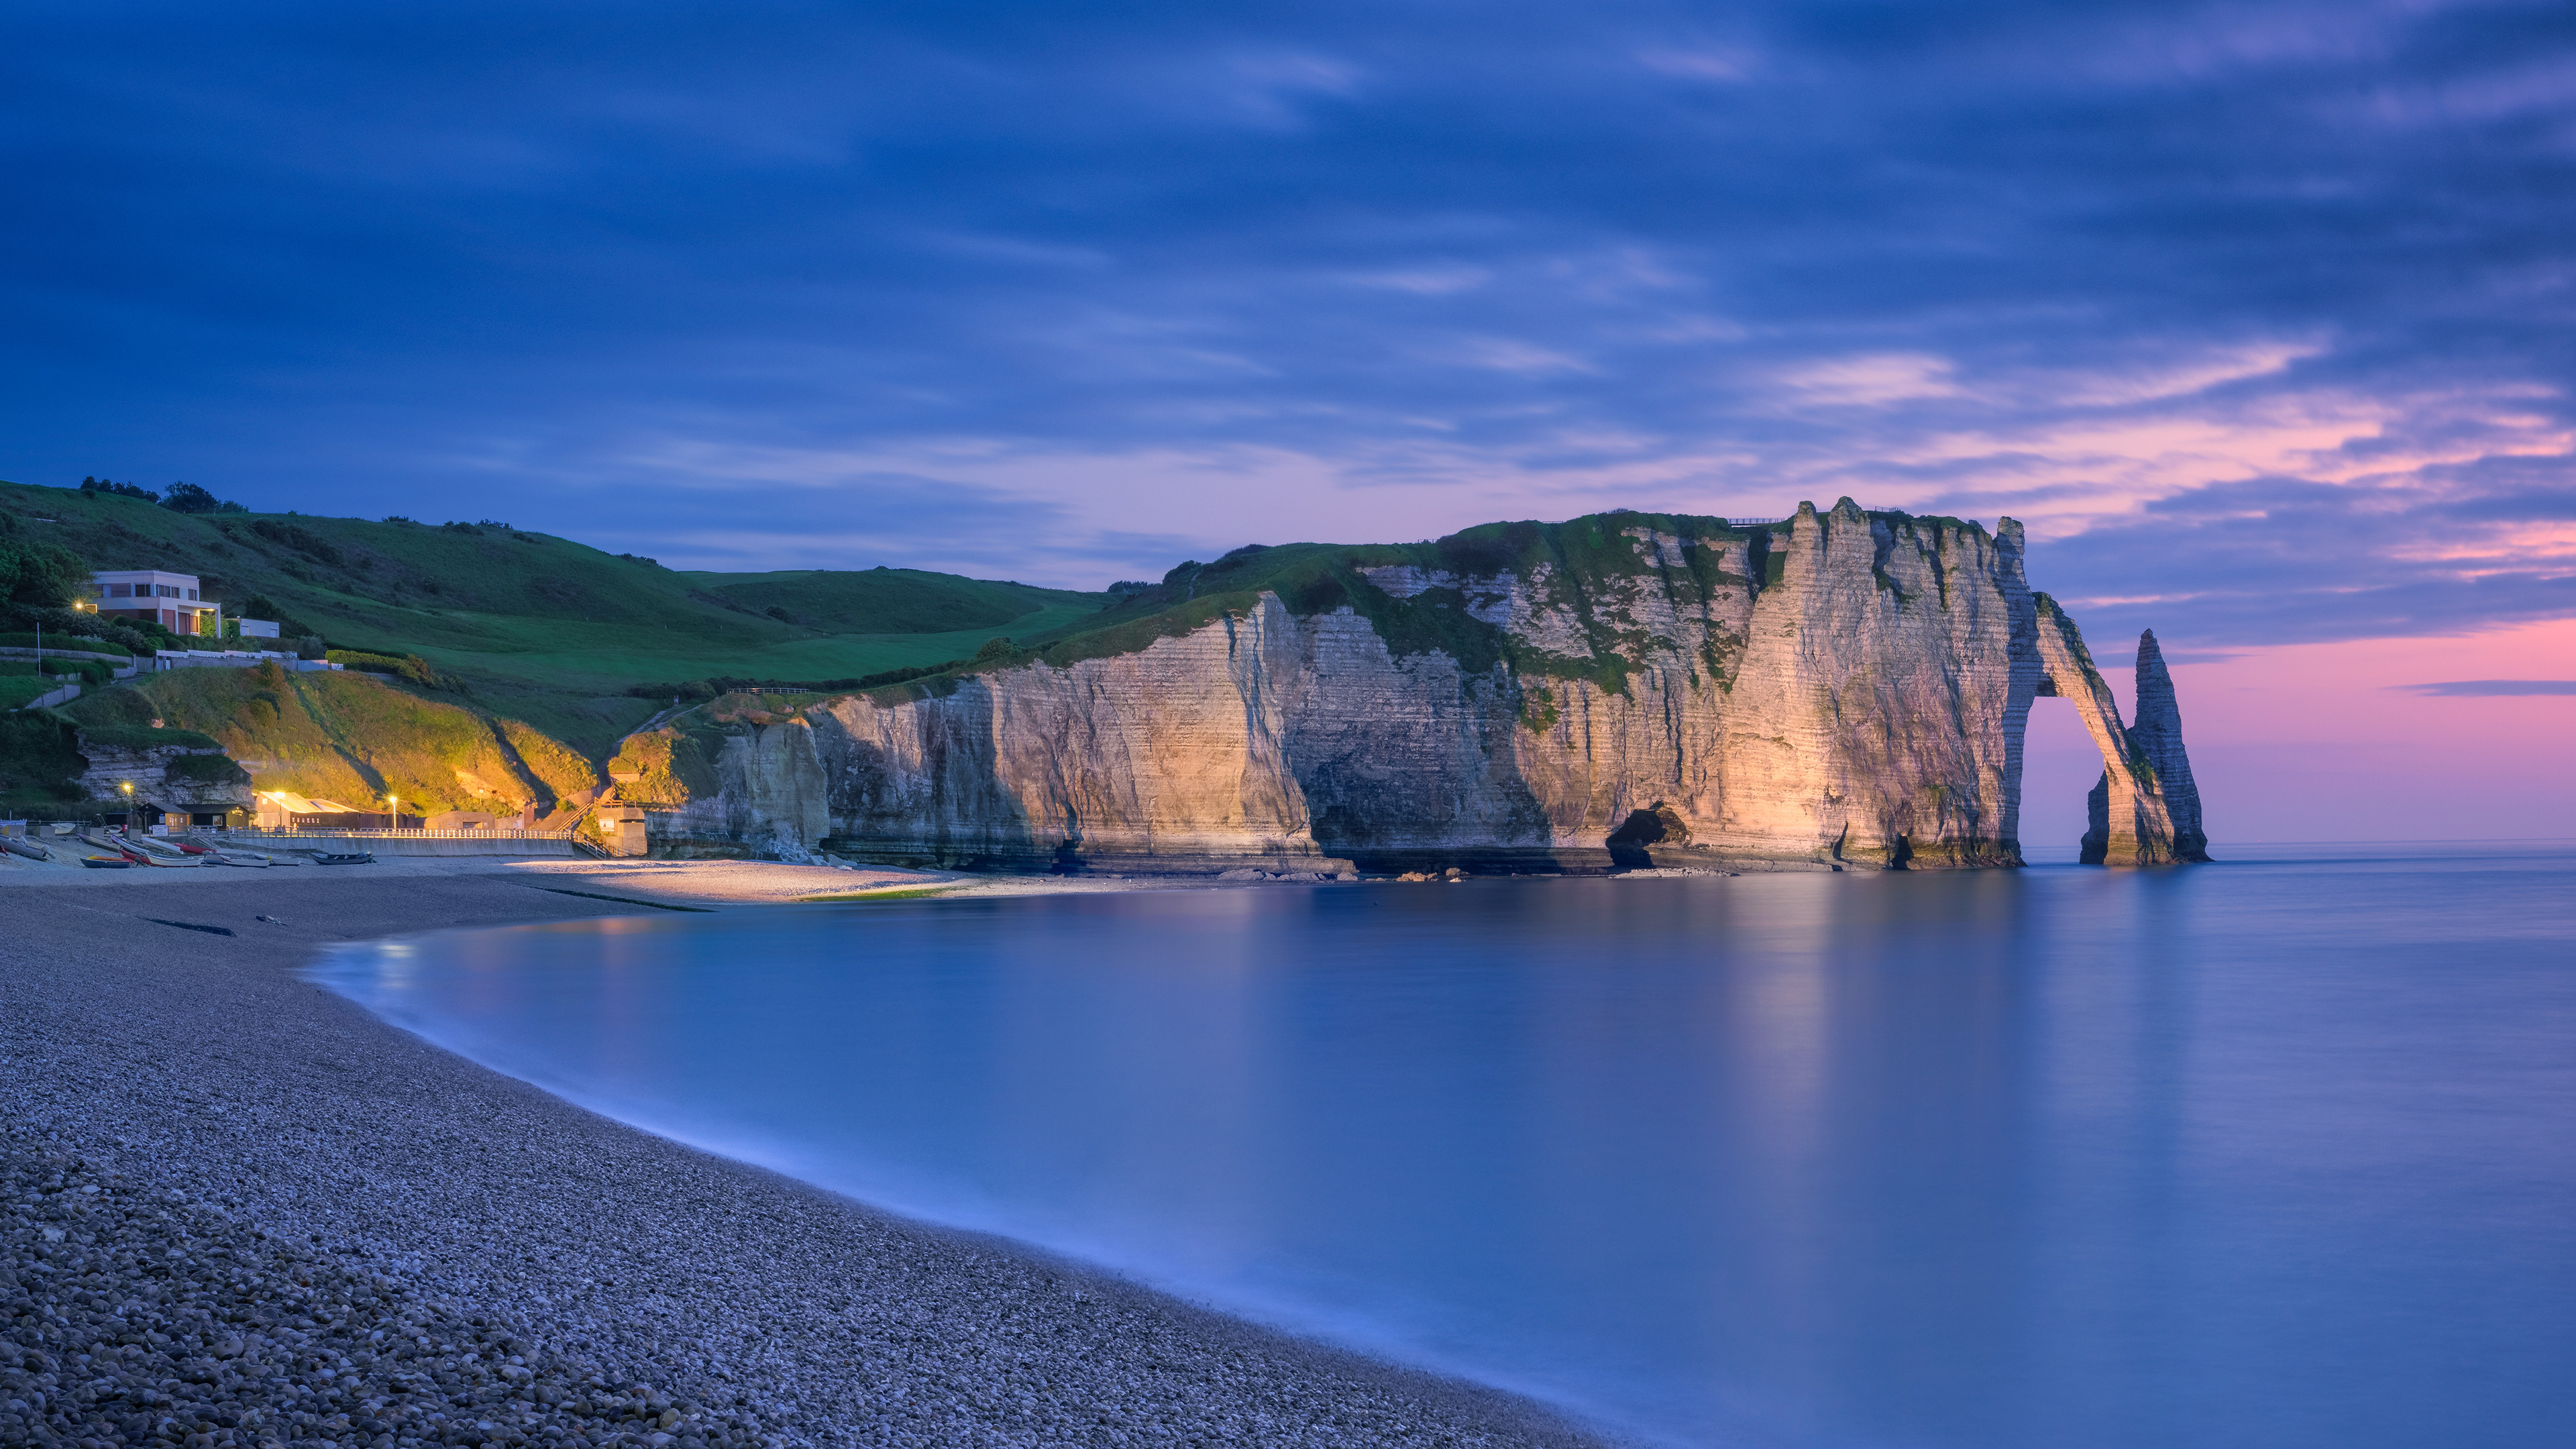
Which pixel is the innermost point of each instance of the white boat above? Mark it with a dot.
(153, 852)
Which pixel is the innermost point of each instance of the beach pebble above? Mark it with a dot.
(412, 1251)
(121, 1298)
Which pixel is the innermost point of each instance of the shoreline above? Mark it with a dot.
(203, 1063)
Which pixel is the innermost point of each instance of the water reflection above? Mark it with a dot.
(2266, 1154)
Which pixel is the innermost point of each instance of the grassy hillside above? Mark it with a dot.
(535, 628)
(351, 737)
(514, 611)
(884, 601)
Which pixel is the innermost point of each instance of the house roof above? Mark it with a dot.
(294, 804)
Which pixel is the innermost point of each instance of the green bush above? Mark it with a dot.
(406, 666)
(189, 498)
(42, 575)
(88, 671)
(73, 643)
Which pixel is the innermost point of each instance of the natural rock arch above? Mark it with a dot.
(2145, 810)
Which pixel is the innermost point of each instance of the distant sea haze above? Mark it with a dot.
(2270, 1152)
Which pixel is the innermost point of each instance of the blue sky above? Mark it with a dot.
(2258, 313)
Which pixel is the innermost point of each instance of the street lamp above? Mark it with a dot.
(393, 812)
(128, 787)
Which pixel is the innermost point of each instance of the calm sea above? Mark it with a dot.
(2278, 1152)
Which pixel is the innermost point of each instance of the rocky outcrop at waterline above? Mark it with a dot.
(2154, 750)
(1836, 689)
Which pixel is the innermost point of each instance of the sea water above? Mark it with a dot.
(2275, 1152)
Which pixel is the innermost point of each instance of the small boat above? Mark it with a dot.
(27, 848)
(353, 857)
(242, 858)
(153, 852)
(190, 847)
(105, 862)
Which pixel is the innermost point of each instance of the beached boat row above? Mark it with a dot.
(117, 850)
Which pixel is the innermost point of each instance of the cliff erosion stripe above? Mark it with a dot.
(621, 900)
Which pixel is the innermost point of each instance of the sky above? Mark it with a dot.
(2258, 314)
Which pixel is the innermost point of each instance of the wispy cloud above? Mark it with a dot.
(1869, 380)
(2256, 313)
(2491, 688)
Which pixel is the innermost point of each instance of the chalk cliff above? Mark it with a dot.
(1836, 689)
(2156, 738)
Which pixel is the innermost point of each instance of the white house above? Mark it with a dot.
(167, 599)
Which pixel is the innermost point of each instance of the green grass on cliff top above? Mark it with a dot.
(530, 612)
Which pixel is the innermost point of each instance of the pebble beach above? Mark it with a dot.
(236, 1209)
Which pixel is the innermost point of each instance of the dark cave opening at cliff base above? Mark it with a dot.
(2059, 763)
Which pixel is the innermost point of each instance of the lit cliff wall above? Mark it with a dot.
(1839, 689)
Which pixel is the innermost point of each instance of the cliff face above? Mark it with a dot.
(1839, 689)
(187, 778)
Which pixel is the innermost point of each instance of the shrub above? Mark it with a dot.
(189, 498)
(122, 490)
(55, 639)
(41, 575)
(88, 671)
(406, 666)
